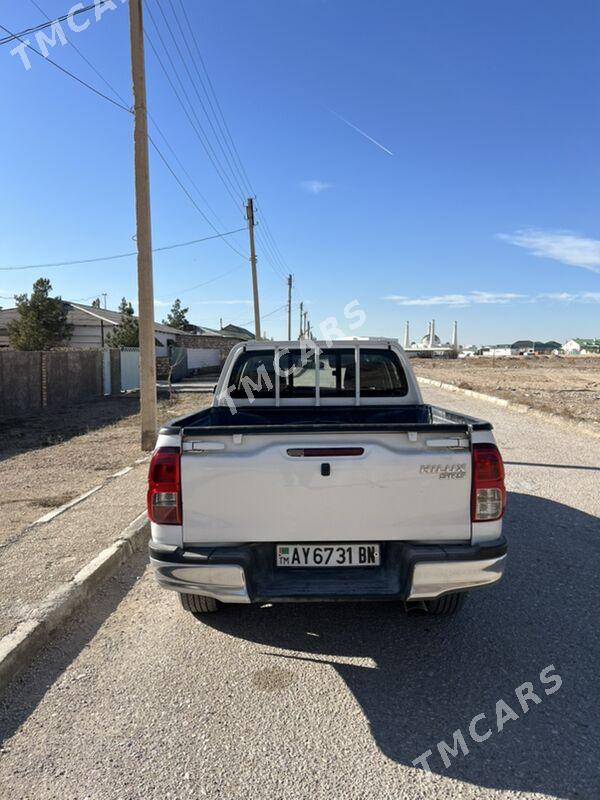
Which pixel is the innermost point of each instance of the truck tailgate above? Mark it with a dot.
(339, 487)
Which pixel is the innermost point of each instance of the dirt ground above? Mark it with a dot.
(51, 458)
(566, 386)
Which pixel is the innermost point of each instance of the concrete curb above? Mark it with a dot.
(18, 647)
(521, 408)
(55, 512)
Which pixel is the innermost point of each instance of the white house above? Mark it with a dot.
(580, 347)
(91, 326)
(500, 351)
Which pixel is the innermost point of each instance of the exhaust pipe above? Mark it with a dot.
(416, 608)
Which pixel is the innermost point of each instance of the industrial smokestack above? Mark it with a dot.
(406, 336)
(432, 334)
(455, 335)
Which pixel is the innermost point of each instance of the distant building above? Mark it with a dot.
(236, 330)
(500, 351)
(91, 326)
(581, 346)
(430, 345)
(520, 348)
(539, 348)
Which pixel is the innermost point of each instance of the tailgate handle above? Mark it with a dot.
(202, 447)
(443, 443)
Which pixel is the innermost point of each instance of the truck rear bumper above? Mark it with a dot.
(247, 574)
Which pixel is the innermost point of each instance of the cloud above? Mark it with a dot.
(568, 297)
(564, 246)
(493, 298)
(163, 303)
(315, 186)
(461, 300)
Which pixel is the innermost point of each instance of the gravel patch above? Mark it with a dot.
(569, 387)
(50, 459)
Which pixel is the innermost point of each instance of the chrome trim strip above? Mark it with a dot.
(432, 579)
(225, 582)
(164, 548)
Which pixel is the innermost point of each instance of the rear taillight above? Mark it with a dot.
(488, 496)
(164, 488)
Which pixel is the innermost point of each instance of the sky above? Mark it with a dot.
(427, 160)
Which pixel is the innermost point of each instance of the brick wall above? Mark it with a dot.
(162, 367)
(221, 343)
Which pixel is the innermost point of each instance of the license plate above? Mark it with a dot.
(328, 555)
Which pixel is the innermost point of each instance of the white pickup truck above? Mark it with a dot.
(319, 474)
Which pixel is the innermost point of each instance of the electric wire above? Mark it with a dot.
(129, 111)
(200, 285)
(160, 132)
(265, 316)
(72, 13)
(70, 74)
(216, 99)
(275, 252)
(118, 255)
(219, 135)
(198, 127)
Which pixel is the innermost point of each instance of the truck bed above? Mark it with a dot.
(334, 419)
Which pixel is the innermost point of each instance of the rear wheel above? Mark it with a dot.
(446, 605)
(198, 604)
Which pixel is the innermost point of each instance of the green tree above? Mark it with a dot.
(42, 321)
(127, 332)
(96, 303)
(176, 318)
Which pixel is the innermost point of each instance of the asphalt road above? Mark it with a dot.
(135, 699)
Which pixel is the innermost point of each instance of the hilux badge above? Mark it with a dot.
(444, 471)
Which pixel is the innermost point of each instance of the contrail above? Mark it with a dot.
(362, 133)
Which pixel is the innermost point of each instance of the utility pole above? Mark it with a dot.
(301, 320)
(104, 300)
(304, 326)
(289, 282)
(250, 218)
(143, 229)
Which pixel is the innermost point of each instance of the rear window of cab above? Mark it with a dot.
(381, 374)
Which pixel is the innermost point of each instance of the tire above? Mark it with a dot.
(198, 604)
(446, 605)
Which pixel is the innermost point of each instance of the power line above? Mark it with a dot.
(198, 128)
(73, 13)
(129, 111)
(264, 316)
(269, 234)
(191, 199)
(216, 99)
(273, 253)
(150, 116)
(119, 255)
(277, 261)
(70, 74)
(270, 258)
(200, 285)
(219, 136)
(85, 58)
